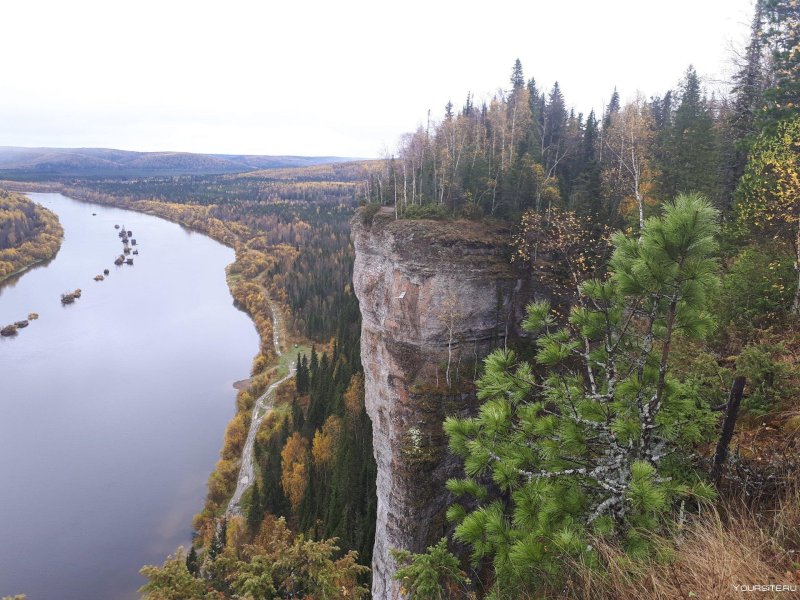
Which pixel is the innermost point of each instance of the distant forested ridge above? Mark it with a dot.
(295, 223)
(34, 164)
(29, 233)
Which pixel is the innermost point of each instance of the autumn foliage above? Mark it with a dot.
(294, 461)
(29, 233)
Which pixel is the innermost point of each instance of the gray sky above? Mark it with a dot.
(335, 77)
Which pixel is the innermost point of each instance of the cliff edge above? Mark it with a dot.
(435, 297)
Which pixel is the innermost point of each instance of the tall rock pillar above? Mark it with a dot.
(435, 297)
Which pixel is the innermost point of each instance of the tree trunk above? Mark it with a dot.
(731, 413)
(796, 303)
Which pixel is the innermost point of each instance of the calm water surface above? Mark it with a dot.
(112, 409)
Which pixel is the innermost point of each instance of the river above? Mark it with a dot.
(112, 409)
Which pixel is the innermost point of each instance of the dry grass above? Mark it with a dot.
(715, 553)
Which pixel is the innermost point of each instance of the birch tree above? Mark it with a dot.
(628, 172)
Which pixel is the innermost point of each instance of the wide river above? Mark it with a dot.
(112, 409)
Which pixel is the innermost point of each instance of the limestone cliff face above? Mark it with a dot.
(428, 291)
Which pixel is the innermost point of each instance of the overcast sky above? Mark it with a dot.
(335, 77)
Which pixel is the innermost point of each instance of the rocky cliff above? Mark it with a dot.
(435, 298)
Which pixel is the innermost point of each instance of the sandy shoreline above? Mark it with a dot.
(242, 384)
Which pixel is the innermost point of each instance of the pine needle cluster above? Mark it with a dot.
(594, 439)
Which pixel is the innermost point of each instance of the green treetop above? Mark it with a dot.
(597, 444)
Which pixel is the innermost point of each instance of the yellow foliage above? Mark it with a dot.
(236, 534)
(354, 396)
(29, 233)
(326, 440)
(235, 436)
(294, 468)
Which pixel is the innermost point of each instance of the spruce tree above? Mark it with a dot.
(688, 161)
(612, 108)
(192, 562)
(739, 118)
(298, 378)
(782, 33)
(314, 363)
(256, 511)
(434, 575)
(536, 107)
(598, 444)
(588, 196)
(555, 126)
(219, 540)
(517, 78)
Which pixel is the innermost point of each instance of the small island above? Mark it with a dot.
(70, 297)
(12, 329)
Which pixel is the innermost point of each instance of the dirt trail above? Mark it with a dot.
(261, 408)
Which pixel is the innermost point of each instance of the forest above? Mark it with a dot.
(315, 470)
(29, 233)
(639, 441)
(643, 445)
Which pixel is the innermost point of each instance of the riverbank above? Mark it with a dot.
(29, 234)
(126, 394)
(248, 280)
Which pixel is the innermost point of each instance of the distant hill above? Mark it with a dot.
(42, 163)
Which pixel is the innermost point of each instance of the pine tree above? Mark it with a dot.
(598, 444)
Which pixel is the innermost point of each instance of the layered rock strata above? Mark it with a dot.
(435, 298)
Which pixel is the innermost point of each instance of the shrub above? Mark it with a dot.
(472, 211)
(758, 289)
(424, 211)
(368, 212)
(769, 379)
